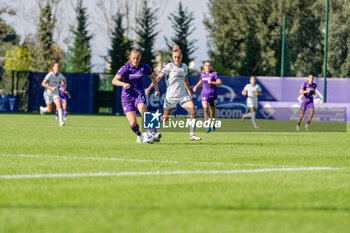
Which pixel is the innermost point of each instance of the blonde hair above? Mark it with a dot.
(176, 49)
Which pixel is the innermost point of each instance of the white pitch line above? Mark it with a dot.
(139, 160)
(159, 173)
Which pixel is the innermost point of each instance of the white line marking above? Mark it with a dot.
(159, 173)
(140, 160)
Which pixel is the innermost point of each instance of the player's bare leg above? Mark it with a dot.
(312, 110)
(302, 113)
(251, 114)
(59, 111)
(206, 114)
(46, 109)
(189, 107)
(131, 116)
(212, 116)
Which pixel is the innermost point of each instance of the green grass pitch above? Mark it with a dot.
(127, 199)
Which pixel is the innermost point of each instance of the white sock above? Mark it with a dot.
(60, 115)
(253, 119)
(192, 128)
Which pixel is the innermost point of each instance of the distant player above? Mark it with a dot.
(209, 78)
(178, 90)
(252, 91)
(51, 94)
(133, 96)
(308, 89)
(64, 96)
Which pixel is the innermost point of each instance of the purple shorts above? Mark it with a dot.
(211, 100)
(305, 104)
(130, 103)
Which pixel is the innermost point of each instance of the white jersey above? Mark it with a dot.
(175, 81)
(53, 81)
(252, 91)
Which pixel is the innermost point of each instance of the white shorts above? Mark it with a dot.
(171, 103)
(50, 97)
(252, 103)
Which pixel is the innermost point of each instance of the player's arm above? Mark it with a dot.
(117, 82)
(154, 81)
(244, 92)
(259, 93)
(46, 85)
(314, 94)
(302, 91)
(216, 83)
(200, 82)
(187, 86)
(155, 84)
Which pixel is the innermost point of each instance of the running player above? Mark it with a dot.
(210, 80)
(51, 82)
(178, 90)
(252, 91)
(133, 95)
(308, 89)
(64, 95)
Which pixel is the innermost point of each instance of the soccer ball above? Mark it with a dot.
(148, 137)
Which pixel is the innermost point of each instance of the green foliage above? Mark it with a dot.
(242, 33)
(146, 31)
(182, 21)
(120, 45)
(45, 35)
(18, 59)
(81, 50)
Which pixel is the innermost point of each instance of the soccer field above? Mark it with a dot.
(91, 176)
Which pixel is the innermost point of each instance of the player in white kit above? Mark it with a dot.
(252, 91)
(51, 93)
(178, 90)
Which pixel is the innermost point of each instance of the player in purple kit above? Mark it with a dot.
(308, 89)
(133, 95)
(210, 80)
(64, 95)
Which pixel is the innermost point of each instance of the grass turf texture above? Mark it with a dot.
(293, 201)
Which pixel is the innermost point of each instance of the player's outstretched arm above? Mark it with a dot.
(244, 92)
(159, 77)
(116, 81)
(155, 84)
(187, 85)
(200, 82)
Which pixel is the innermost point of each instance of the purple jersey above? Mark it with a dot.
(61, 90)
(309, 96)
(134, 76)
(209, 90)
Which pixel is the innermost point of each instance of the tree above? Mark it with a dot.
(120, 45)
(250, 63)
(229, 34)
(81, 51)
(146, 31)
(45, 35)
(17, 59)
(181, 23)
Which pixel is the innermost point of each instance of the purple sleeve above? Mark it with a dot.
(303, 86)
(216, 77)
(122, 71)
